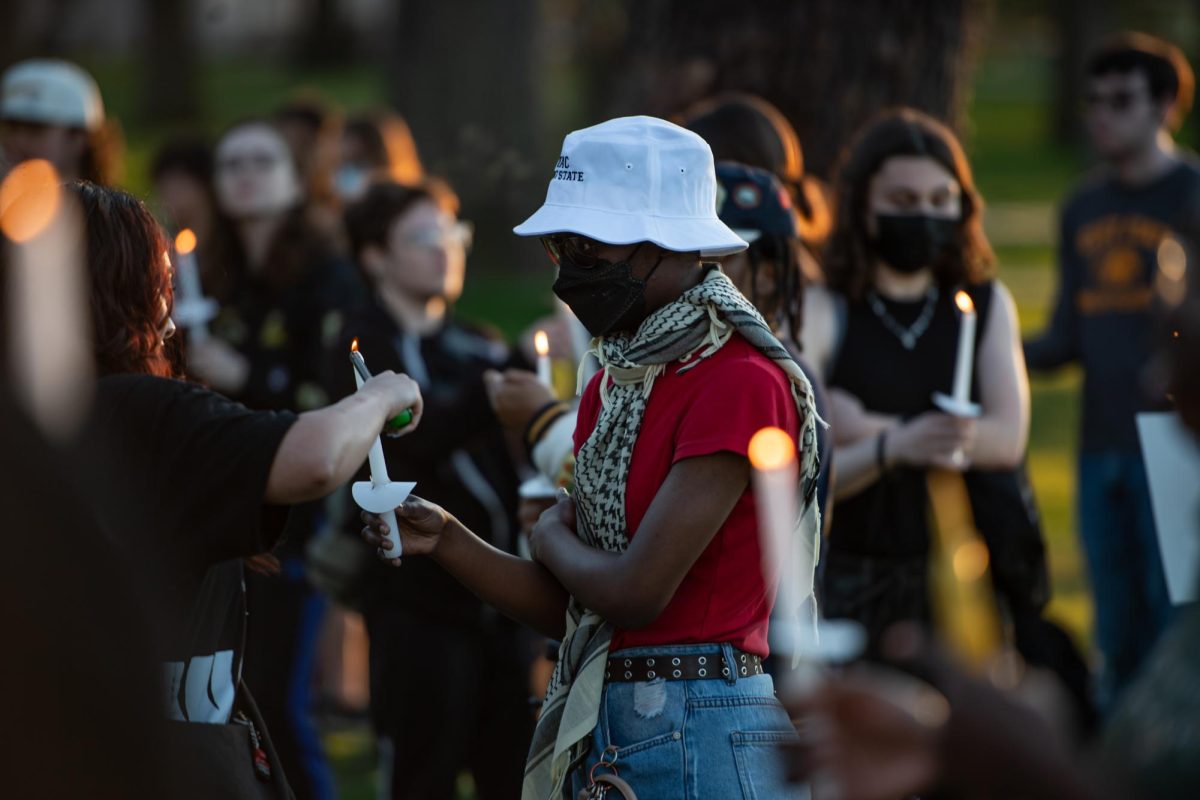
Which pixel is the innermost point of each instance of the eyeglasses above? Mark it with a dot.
(1117, 102)
(460, 233)
(578, 250)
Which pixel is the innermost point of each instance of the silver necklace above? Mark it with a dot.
(907, 336)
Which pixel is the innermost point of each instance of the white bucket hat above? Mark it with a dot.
(51, 92)
(636, 179)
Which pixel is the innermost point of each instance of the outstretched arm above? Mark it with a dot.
(324, 448)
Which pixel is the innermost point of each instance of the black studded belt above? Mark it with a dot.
(682, 668)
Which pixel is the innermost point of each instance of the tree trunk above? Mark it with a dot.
(1079, 24)
(170, 92)
(325, 39)
(464, 75)
(828, 64)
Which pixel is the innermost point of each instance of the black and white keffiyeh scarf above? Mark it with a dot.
(686, 331)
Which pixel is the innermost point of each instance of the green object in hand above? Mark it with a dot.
(401, 420)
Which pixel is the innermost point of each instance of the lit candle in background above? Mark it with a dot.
(380, 495)
(192, 309)
(46, 285)
(964, 364)
(541, 343)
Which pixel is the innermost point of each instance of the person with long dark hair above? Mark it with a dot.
(284, 295)
(909, 235)
(652, 575)
(190, 485)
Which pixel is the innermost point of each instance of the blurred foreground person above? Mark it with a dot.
(83, 677)
(1127, 233)
(470, 710)
(52, 109)
(188, 484)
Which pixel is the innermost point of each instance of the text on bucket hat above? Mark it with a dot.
(636, 179)
(51, 92)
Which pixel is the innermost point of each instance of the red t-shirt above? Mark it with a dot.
(714, 407)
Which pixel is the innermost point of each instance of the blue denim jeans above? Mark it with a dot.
(1116, 524)
(693, 739)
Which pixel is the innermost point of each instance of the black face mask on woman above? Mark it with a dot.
(605, 297)
(909, 242)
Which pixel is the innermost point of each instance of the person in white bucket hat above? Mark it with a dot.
(652, 574)
(52, 109)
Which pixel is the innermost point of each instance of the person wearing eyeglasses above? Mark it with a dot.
(652, 574)
(463, 706)
(1126, 234)
(283, 293)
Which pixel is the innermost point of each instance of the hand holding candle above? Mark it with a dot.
(192, 309)
(380, 495)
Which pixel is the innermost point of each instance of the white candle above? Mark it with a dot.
(964, 364)
(192, 308)
(541, 343)
(772, 454)
(379, 474)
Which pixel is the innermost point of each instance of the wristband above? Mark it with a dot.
(542, 419)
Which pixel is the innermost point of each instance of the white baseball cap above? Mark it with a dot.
(636, 179)
(51, 92)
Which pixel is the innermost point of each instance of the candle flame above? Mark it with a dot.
(963, 301)
(354, 345)
(771, 448)
(185, 242)
(541, 343)
(29, 199)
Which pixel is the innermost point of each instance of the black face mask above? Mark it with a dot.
(605, 297)
(909, 242)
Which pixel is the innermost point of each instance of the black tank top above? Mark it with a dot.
(888, 518)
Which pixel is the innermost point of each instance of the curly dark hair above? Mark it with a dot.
(850, 258)
(131, 294)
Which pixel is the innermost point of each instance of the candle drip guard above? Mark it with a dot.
(384, 500)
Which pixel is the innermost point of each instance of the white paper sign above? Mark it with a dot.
(1173, 469)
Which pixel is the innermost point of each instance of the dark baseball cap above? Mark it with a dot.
(753, 202)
